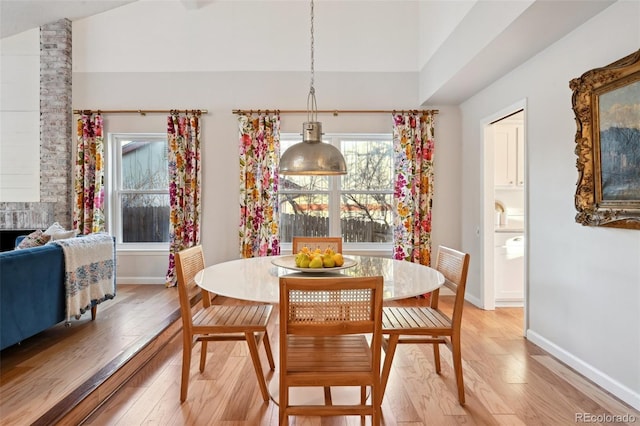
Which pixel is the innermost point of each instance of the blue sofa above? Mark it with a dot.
(32, 292)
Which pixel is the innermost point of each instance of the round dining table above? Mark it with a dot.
(257, 278)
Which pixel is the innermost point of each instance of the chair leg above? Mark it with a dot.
(255, 357)
(203, 355)
(186, 366)
(375, 418)
(457, 367)
(386, 367)
(377, 407)
(436, 356)
(283, 402)
(267, 349)
(363, 402)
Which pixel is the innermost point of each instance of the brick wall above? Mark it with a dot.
(55, 137)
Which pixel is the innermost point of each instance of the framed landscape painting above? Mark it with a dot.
(606, 103)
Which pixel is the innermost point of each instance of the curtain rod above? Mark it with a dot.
(138, 111)
(335, 112)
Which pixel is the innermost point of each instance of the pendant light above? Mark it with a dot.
(312, 156)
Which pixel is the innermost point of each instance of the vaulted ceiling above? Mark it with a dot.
(17, 16)
(481, 44)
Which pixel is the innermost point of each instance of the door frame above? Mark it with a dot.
(487, 288)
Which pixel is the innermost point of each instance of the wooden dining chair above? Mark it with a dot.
(217, 322)
(323, 323)
(430, 324)
(335, 243)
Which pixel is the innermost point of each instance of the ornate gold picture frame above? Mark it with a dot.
(606, 103)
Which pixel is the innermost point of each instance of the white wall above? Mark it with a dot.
(249, 35)
(442, 17)
(20, 117)
(583, 282)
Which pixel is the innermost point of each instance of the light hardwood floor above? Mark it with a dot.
(58, 376)
(508, 381)
(46, 376)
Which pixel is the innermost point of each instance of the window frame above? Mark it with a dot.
(114, 191)
(335, 192)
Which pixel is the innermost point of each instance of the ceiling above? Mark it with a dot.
(17, 16)
(444, 80)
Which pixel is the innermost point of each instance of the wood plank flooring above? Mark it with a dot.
(508, 381)
(49, 375)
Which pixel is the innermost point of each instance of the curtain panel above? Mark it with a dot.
(413, 141)
(259, 145)
(185, 180)
(88, 206)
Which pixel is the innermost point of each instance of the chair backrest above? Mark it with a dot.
(454, 265)
(326, 309)
(330, 306)
(188, 263)
(335, 243)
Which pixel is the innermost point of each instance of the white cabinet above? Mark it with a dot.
(509, 269)
(509, 155)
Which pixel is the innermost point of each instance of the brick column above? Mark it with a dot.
(56, 117)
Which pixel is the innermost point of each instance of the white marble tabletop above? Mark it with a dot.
(257, 279)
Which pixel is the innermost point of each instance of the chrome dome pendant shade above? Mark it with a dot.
(312, 156)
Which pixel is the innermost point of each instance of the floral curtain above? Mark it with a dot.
(259, 157)
(413, 140)
(183, 136)
(88, 208)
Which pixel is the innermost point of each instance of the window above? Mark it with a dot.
(138, 188)
(356, 206)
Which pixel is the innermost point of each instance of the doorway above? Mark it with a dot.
(504, 208)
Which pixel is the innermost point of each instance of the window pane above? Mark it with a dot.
(304, 183)
(366, 218)
(303, 214)
(369, 163)
(365, 210)
(145, 218)
(145, 165)
(364, 194)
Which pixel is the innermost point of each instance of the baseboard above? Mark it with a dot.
(509, 303)
(473, 300)
(619, 390)
(140, 280)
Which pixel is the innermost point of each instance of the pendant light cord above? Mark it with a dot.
(312, 106)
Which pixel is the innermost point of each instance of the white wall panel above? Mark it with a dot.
(20, 117)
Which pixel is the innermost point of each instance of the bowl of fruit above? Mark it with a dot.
(314, 261)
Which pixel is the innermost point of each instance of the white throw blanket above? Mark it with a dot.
(89, 271)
